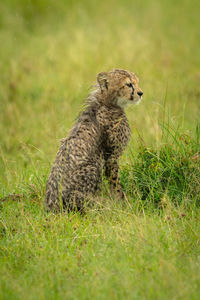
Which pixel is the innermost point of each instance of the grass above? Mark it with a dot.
(148, 247)
(171, 171)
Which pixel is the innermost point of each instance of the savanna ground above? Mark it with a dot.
(149, 247)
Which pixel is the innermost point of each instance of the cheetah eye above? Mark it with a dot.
(129, 84)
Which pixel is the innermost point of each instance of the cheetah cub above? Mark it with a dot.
(94, 143)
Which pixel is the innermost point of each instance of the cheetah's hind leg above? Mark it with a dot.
(79, 191)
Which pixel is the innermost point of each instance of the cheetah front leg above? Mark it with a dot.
(112, 173)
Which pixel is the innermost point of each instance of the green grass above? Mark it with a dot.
(148, 247)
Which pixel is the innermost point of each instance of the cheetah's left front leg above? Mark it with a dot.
(112, 173)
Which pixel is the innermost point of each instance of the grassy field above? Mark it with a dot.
(149, 247)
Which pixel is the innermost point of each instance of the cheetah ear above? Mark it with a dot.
(102, 79)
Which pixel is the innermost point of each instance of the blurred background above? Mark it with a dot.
(51, 52)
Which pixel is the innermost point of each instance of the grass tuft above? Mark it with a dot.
(172, 171)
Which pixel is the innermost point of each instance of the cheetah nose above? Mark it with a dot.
(140, 93)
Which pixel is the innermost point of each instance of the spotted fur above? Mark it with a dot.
(95, 143)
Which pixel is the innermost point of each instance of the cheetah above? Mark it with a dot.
(94, 144)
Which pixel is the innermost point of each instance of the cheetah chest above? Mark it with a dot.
(117, 135)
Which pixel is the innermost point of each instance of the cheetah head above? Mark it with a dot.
(119, 87)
